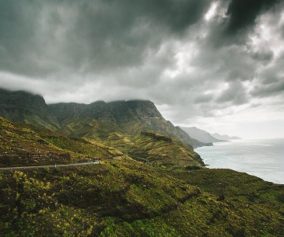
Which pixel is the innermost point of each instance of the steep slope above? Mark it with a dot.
(156, 150)
(23, 146)
(24, 107)
(93, 120)
(124, 197)
(200, 135)
(100, 118)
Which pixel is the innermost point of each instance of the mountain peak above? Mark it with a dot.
(26, 107)
(20, 98)
(17, 105)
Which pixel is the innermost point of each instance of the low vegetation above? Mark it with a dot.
(145, 185)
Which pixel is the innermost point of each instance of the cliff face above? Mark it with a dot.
(97, 119)
(131, 117)
(112, 124)
(119, 113)
(24, 107)
(16, 105)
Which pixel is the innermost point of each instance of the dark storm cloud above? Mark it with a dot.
(167, 51)
(17, 25)
(41, 37)
(243, 13)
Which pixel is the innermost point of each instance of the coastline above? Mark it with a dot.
(258, 157)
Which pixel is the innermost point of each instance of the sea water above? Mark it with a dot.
(262, 158)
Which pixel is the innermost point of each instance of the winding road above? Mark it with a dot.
(49, 166)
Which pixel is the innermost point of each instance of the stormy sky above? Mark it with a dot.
(218, 65)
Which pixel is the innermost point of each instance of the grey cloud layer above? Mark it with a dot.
(39, 37)
(163, 50)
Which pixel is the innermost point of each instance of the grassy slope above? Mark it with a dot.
(23, 146)
(124, 197)
(156, 150)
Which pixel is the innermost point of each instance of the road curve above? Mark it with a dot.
(49, 166)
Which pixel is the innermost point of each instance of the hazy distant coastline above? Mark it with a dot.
(260, 157)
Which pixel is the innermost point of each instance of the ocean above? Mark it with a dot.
(261, 158)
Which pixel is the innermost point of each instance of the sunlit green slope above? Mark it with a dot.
(130, 193)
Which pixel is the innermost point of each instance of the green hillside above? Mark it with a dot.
(95, 120)
(148, 182)
(156, 149)
(99, 119)
(122, 196)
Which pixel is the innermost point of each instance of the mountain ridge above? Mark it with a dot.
(146, 183)
(96, 119)
(200, 135)
(206, 137)
(25, 107)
